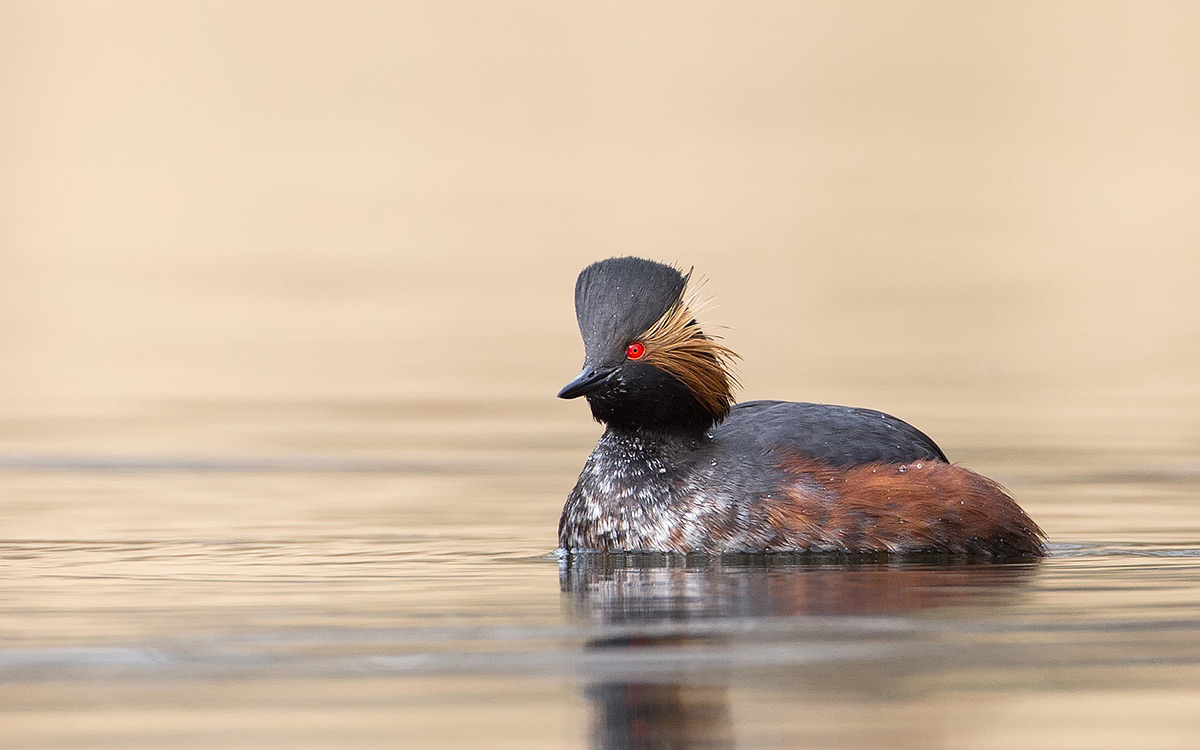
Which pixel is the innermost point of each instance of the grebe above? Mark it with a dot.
(681, 468)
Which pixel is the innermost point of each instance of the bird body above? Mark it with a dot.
(680, 468)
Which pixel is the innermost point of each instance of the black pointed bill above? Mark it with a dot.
(588, 381)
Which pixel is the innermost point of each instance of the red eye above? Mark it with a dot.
(635, 350)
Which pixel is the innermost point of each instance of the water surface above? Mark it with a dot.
(311, 603)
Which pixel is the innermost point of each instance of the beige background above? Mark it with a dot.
(982, 215)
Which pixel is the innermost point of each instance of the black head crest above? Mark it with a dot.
(619, 299)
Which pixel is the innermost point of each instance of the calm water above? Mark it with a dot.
(285, 295)
(152, 601)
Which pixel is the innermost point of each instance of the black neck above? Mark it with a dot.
(647, 398)
(650, 442)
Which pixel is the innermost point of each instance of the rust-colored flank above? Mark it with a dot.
(922, 506)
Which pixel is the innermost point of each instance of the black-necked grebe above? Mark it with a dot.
(681, 468)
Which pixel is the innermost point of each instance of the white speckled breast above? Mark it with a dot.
(638, 493)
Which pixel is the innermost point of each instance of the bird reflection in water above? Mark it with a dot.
(673, 630)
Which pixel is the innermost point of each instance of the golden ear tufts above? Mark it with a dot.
(676, 344)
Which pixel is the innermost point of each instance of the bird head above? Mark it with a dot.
(647, 362)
